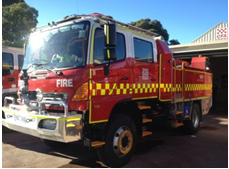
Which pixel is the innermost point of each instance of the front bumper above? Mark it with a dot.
(31, 120)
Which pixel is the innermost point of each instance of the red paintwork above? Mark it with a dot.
(120, 85)
(49, 84)
(106, 103)
(8, 84)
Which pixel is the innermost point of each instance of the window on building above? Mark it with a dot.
(143, 51)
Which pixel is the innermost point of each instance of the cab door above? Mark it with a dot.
(108, 89)
(12, 61)
(9, 77)
(145, 68)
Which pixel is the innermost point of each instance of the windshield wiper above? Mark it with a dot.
(36, 64)
(60, 73)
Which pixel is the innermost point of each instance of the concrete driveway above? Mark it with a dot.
(167, 148)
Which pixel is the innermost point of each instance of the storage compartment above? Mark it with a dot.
(200, 62)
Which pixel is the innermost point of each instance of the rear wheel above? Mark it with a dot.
(192, 125)
(120, 142)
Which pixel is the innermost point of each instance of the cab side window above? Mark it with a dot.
(143, 50)
(98, 57)
(7, 64)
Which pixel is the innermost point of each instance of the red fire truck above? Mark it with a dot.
(12, 61)
(107, 83)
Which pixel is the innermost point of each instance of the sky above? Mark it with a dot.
(185, 20)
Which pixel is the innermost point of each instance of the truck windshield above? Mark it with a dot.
(60, 48)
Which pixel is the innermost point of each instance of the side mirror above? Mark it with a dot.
(110, 35)
(110, 54)
(106, 69)
(110, 44)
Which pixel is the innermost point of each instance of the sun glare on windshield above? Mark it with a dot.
(60, 48)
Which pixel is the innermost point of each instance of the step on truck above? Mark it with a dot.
(106, 83)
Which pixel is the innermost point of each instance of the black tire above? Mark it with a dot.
(54, 144)
(120, 142)
(192, 125)
(7, 130)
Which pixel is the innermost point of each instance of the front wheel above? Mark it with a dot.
(120, 142)
(192, 125)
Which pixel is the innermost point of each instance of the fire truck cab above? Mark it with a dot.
(95, 79)
(12, 61)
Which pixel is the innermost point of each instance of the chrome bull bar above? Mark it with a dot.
(31, 119)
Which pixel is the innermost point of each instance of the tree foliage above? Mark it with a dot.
(174, 42)
(153, 26)
(17, 20)
(10, 2)
(156, 27)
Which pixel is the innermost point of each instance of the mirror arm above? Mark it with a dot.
(107, 69)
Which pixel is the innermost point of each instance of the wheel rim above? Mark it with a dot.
(195, 118)
(123, 141)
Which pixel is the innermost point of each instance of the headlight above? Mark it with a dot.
(39, 95)
(49, 124)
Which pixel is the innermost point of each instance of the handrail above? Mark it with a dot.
(174, 80)
(183, 75)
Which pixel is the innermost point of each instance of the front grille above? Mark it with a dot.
(55, 96)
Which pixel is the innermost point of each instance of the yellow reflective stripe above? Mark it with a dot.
(117, 91)
(90, 83)
(90, 73)
(98, 85)
(70, 125)
(99, 121)
(92, 44)
(196, 87)
(123, 88)
(108, 54)
(111, 91)
(44, 117)
(90, 111)
(162, 85)
(107, 86)
(103, 92)
(188, 87)
(159, 92)
(143, 88)
(72, 119)
(108, 35)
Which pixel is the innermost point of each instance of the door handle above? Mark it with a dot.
(153, 79)
(124, 78)
(11, 79)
